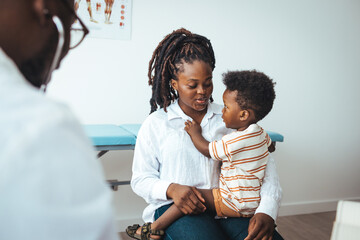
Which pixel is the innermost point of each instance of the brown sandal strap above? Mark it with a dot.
(146, 231)
(131, 231)
(157, 232)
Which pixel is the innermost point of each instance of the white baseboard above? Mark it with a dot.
(296, 208)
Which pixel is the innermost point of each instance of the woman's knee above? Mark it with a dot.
(202, 226)
(195, 227)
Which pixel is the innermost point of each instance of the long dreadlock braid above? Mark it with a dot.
(167, 60)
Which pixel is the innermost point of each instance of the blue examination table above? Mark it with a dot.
(108, 137)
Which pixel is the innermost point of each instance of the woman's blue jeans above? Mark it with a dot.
(204, 226)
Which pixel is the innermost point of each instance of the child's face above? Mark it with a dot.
(232, 111)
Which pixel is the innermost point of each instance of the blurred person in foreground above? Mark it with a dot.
(51, 184)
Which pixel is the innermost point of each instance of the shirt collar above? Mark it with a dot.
(174, 111)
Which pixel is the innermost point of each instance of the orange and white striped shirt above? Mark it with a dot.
(244, 155)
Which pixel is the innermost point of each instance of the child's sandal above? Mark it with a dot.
(146, 232)
(131, 231)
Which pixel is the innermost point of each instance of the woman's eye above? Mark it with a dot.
(192, 86)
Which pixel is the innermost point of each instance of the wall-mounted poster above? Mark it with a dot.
(105, 18)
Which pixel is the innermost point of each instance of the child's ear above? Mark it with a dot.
(174, 84)
(244, 115)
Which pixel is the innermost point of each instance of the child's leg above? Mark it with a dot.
(209, 198)
(167, 218)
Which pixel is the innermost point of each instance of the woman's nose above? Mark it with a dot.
(201, 90)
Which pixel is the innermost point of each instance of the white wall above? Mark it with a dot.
(310, 48)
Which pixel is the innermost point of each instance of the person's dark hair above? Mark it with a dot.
(254, 89)
(179, 47)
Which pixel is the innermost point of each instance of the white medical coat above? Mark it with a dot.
(51, 184)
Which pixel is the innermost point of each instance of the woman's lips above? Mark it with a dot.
(201, 100)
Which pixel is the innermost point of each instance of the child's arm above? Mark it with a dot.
(194, 130)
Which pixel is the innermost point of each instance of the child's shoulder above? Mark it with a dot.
(233, 135)
(253, 129)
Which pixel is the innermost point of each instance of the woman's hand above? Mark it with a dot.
(187, 199)
(261, 227)
(192, 128)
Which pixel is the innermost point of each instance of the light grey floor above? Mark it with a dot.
(307, 226)
(123, 236)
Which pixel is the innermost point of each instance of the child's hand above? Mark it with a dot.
(271, 148)
(192, 128)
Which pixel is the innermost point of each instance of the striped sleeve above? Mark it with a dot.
(218, 150)
(268, 140)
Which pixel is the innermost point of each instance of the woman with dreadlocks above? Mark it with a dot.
(168, 171)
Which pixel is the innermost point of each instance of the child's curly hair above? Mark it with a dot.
(254, 89)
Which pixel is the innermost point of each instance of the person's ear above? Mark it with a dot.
(244, 115)
(174, 84)
(39, 10)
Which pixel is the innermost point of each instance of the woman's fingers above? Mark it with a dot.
(196, 203)
(188, 207)
(187, 199)
(191, 203)
(252, 229)
(198, 195)
(186, 210)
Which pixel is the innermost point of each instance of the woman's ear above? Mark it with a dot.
(244, 115)
(174, 84)
(39, 10)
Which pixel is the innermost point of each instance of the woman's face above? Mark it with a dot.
(194, 86)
